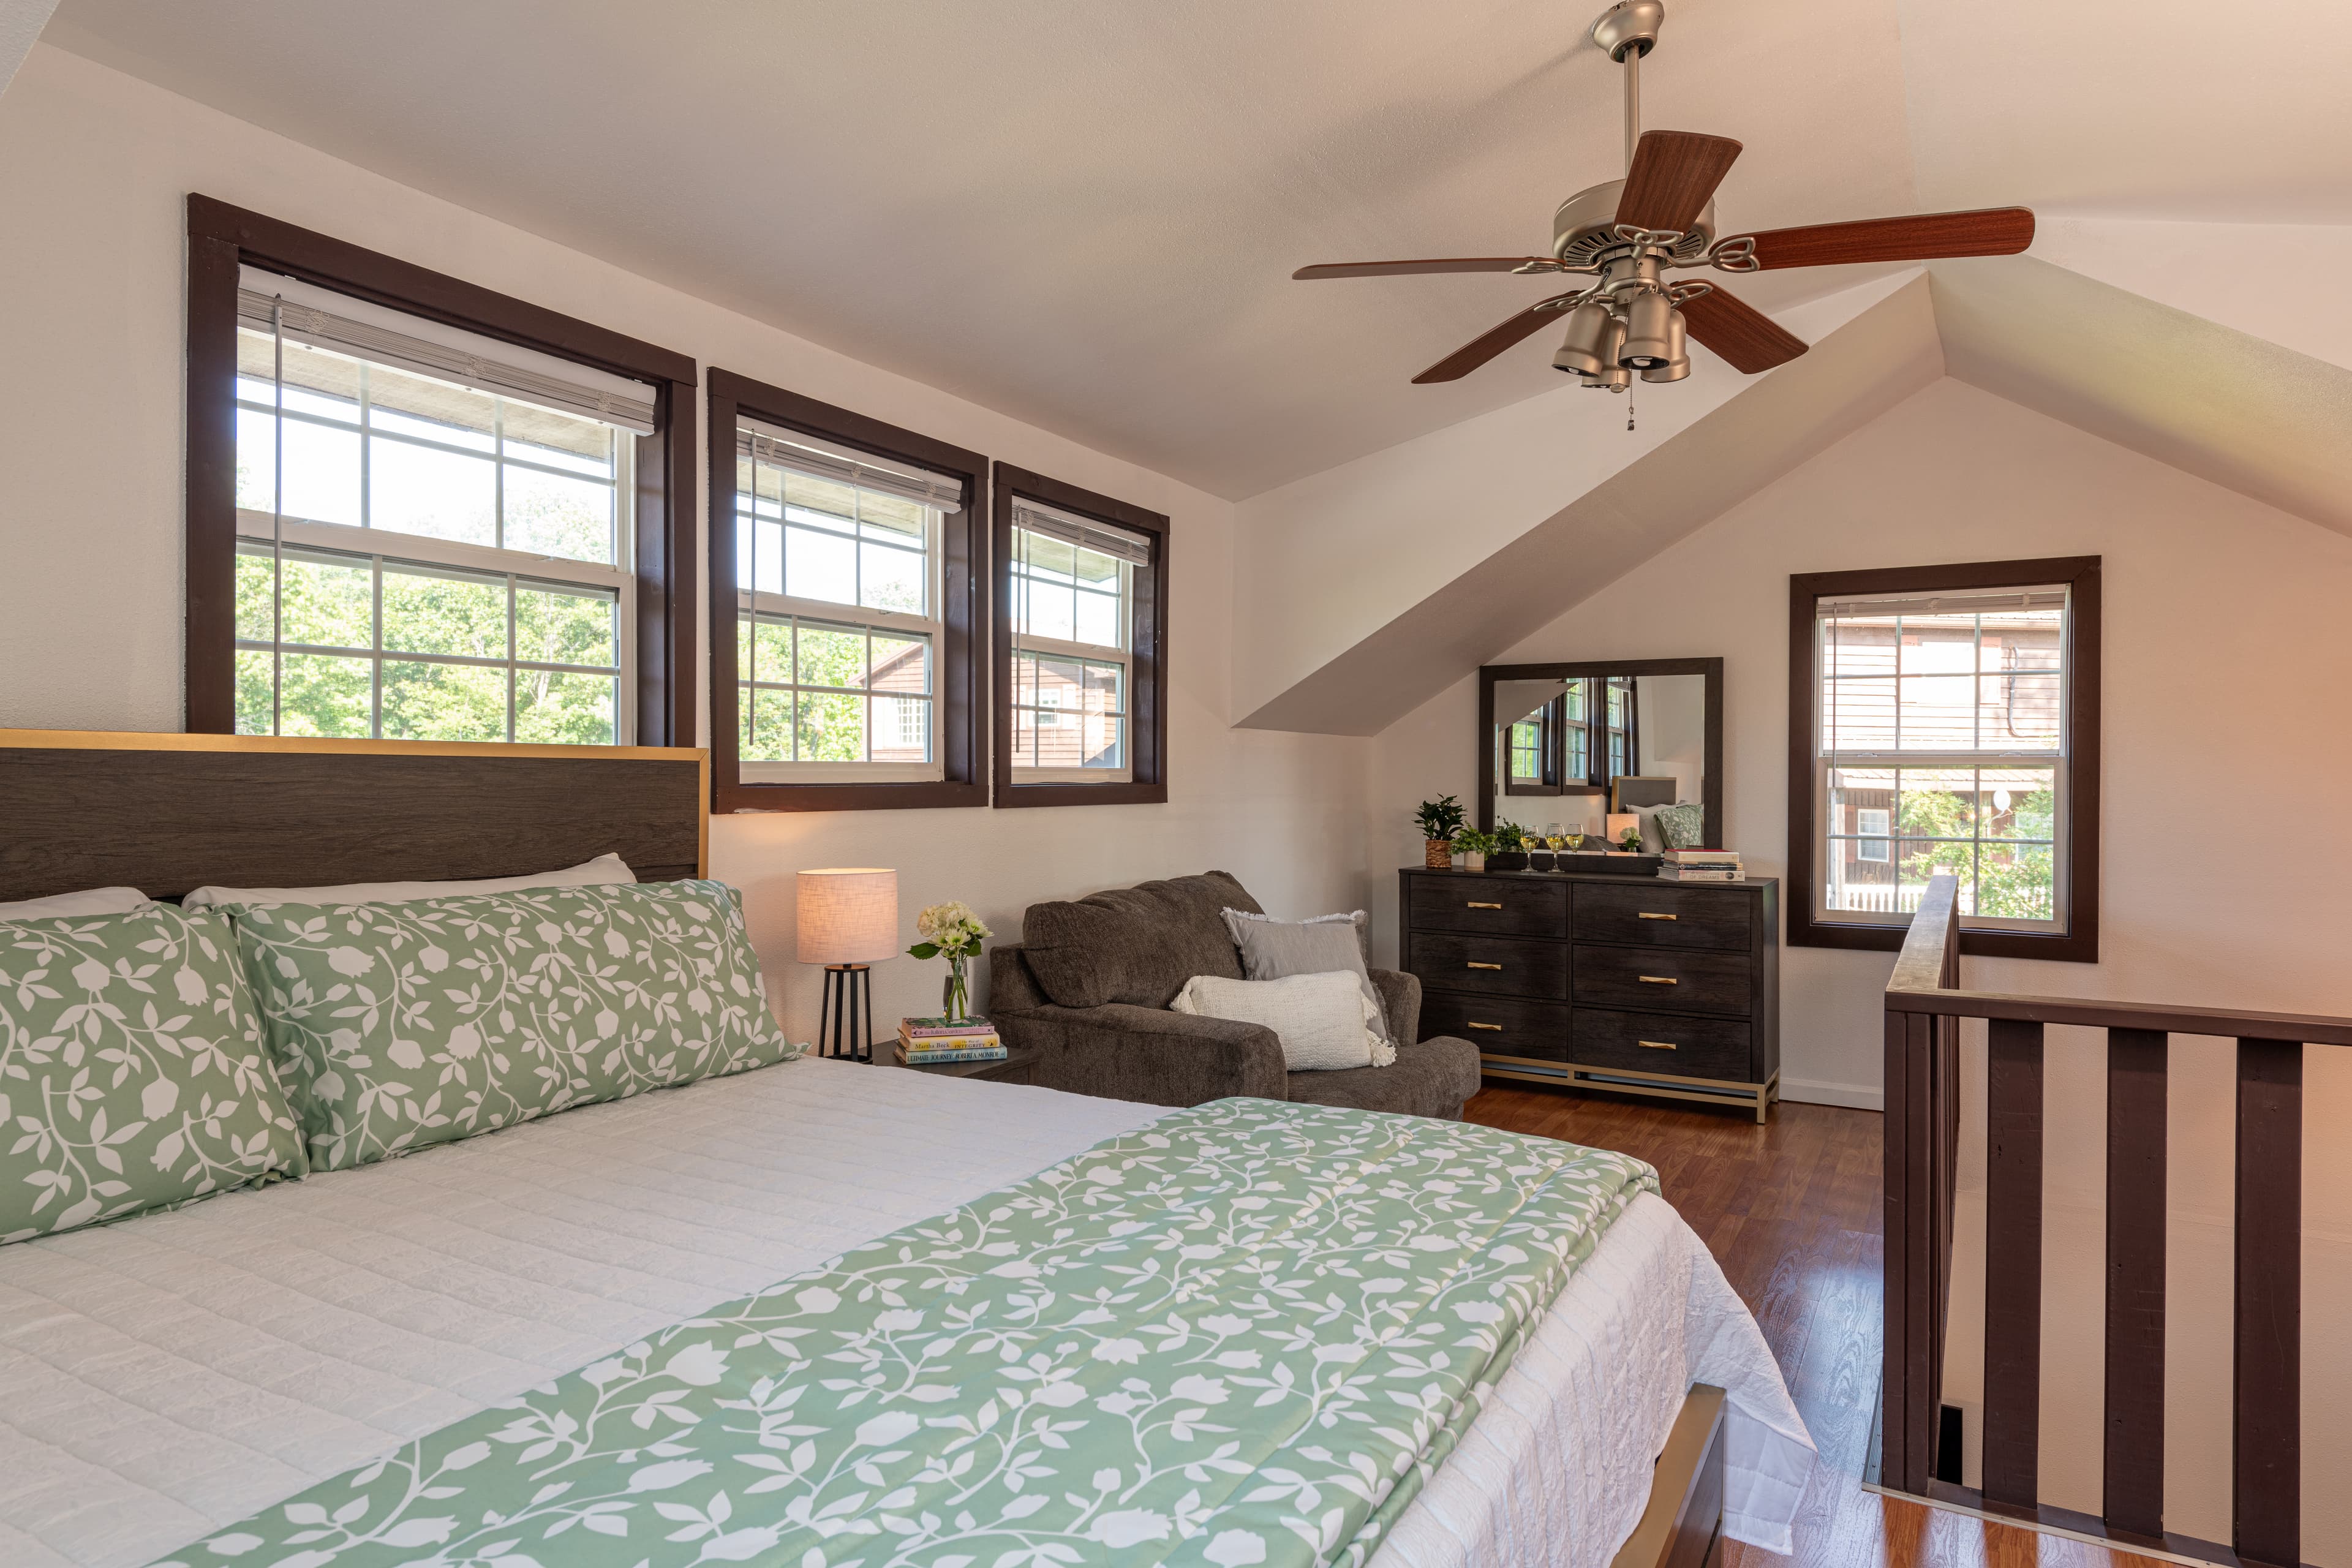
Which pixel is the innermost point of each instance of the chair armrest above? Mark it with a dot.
(1400, 1001)
(1119, 1051)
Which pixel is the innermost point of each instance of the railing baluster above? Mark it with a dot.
(2136, 1062)
(2012, 1328)
(1908, 1456)
(2267, 1333)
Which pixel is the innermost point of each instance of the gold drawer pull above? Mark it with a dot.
(1497, 1028)
(1475, 904)
(1646, 915)
(1649, 979)
(1476, 964)
(1657, 1045)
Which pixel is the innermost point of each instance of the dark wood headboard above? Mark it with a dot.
(166, 813)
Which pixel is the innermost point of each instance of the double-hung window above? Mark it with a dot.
(1947, 737)
(838, 617)
(433, 528)
(1073, 625)
(1079, 601)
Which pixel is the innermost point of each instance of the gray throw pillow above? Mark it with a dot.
(1277, 950)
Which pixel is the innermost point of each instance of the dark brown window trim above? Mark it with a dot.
(1147, 704)
(221, 237)
(963, 544)
(2080, 942)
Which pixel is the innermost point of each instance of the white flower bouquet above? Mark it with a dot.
(950, 931)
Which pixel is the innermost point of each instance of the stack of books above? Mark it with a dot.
(1702, 866)
(924, 1041)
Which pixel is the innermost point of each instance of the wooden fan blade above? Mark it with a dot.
(1492, 341)
(1989, 231)
(1749, 340)
(1401, 268)
(1673, 174)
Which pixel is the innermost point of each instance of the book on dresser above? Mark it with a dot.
(1640, 986)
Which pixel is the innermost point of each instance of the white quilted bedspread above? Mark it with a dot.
(165, 1377)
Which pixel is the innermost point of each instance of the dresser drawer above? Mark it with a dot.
(1495, 965)
(1662, 977)
(1500, 1025)
(1660, 914)
(1661, 1042)
(1500, 906)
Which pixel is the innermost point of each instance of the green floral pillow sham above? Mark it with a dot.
(395, 1026)
(132, 1071)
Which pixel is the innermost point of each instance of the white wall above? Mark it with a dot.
(2227, 859)
(94, 166)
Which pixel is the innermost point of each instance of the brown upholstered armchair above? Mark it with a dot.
(1089, 984)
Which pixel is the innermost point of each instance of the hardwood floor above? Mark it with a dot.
(1791, 1211)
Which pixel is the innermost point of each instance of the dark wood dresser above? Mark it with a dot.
(1631, 983)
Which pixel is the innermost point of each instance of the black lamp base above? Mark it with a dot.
(844, 1026)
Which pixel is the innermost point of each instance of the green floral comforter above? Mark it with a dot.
(1243, 1335)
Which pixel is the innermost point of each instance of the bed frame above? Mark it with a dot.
(169, 813)
(1682, 1526)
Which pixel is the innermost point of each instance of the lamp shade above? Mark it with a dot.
(1619, 821)
(848, 915)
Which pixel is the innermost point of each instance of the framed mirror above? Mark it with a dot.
(1572, 744)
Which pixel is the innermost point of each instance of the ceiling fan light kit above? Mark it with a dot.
(1629, 234)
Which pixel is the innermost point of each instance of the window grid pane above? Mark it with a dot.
(374, 648)
(819, 691)
(1069, 713)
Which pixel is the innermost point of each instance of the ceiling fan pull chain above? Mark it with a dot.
(1629, 412)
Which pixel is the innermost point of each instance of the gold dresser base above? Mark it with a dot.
(1756, 1096)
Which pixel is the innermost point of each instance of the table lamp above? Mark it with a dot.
(1619, 821)
(848, 923)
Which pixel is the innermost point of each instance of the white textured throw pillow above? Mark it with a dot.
(604, 872)
(65, 905)
(1325, 1020)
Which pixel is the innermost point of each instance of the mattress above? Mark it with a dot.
(167, 1377)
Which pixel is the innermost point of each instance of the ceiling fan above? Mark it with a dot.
(1631, 233)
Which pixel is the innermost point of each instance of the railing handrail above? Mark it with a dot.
(2303, 1027)
(1917, 986)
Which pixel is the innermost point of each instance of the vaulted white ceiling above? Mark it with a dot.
(1086, 214)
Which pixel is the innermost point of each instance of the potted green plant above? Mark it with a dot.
(1473, 847)
(1440, 820)
(1510, 851)
(1629, 841)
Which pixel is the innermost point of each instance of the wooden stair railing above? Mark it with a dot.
(1924, 1009)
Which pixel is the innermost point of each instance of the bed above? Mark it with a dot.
(165, 1377)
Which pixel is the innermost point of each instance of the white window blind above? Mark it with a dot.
(330, 320)
(817, 460)
(1083, 532)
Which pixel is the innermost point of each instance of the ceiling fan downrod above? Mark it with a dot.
(1626, 324)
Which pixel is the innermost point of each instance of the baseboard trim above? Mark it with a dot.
(1815, 1091)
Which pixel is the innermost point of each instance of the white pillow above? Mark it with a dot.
(605, 870)
(67, 906)
(1325, 1020)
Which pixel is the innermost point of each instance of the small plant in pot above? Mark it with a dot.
(1440, 820)
(1473, 847)
(1510, 851)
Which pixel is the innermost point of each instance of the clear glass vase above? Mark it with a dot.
(955, 997)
